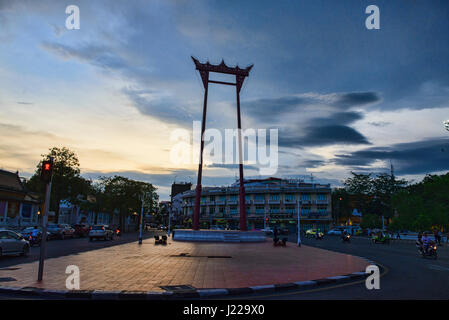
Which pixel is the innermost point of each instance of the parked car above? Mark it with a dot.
(26, 233)
(13, 243)
(268, 231)
(81, 230)
(60, 231)
(101, 231)
(335, 232)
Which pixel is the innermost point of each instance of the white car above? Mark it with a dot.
(336, 232)
(13, 243)
(101, 231)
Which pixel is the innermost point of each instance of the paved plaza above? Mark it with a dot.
(147, 267)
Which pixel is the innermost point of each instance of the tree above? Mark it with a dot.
(373, 193)
(125, 195)
(67, 184)
(423, 205)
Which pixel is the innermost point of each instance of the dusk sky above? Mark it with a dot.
(343, 97)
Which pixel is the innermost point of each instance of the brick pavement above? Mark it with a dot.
(147, 267)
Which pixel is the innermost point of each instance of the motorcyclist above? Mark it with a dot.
(426, 241)
(35, 232)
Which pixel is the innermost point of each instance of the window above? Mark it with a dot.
(321, 196)
(274, 196)
(260, 210)
(3, 235)
(289, 196)
(233, 210)
(13, 235)
(305, 196)
(233, 197)
(260, 197)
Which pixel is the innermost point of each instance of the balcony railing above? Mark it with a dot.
(231, 202)
(274, 201)
(290, 201)
(259, 201)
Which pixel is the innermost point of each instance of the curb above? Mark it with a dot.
(173, 295)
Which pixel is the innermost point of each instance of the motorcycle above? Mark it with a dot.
(430, 252)
(346, 238)
(34, 240)
(319, 236)
(381, 238)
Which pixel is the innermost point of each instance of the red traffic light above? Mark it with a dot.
(47, 170)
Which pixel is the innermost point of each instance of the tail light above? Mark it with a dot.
(90, 228)
(102, 228)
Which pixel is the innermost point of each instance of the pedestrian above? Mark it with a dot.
(437, 236)
(420, 237)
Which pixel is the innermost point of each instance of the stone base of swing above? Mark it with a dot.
(206, 235)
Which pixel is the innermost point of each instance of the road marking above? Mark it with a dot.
(437, 267)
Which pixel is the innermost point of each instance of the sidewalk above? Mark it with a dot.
(201, 265)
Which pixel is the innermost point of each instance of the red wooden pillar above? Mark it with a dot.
(196, 213)
(243, 226)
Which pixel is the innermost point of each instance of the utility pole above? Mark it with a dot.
(46, 176)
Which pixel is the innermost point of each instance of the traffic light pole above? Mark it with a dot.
(141, 220)
(299, 225)
(44, 232)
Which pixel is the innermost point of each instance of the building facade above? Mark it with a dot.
(18, 207)
(269, 202)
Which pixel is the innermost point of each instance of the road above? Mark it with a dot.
(406, 274)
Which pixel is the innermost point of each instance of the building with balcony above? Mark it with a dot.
(274, 201)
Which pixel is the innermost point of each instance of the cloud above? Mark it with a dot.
(379, 123)
(231, 166)
(418, 157)
(100, 56)
(321, 136)
(162, 106)
(352, 99)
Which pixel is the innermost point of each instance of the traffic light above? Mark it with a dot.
(46, 171)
